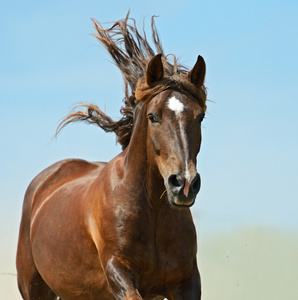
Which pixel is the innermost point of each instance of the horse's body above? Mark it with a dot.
(106, 231)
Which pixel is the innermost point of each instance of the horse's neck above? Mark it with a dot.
(143, 172)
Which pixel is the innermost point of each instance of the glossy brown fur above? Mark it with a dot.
(109, 230)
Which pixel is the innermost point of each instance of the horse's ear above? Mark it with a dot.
(154, 70)
(197, 74)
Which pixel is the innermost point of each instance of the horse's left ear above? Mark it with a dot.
(154, 70)
(197, 74)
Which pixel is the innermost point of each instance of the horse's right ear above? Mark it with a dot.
(154, 70)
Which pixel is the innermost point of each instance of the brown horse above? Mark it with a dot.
(123, 229)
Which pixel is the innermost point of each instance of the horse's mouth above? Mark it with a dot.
(181, 206)
(181, 201)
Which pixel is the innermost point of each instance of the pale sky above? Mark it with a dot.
(248, 162)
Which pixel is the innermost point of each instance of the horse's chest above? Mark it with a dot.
(175, 249)
(176, 255)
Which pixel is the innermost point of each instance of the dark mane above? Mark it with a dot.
(131, 53)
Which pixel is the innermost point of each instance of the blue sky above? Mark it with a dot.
(248, 162)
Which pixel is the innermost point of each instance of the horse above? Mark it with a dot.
(122, 229)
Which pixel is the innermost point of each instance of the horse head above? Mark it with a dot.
(174, 128)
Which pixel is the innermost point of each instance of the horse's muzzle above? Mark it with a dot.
(182, 191)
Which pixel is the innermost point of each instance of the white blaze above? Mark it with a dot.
(177, 106)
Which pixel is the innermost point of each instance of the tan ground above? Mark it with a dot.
(250, 264)
(246, 264)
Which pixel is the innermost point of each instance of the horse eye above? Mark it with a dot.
(152, 118)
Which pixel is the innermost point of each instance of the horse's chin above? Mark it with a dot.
(181, 201)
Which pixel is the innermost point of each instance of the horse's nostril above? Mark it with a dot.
(175, 181)
(196, 183)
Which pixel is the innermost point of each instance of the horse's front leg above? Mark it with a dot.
(123, 280)
(188, 289)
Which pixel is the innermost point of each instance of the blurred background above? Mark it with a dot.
(246, 212)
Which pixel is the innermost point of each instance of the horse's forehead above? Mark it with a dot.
(175, 102)
(170, 100)
(175, 105)
(180, 104)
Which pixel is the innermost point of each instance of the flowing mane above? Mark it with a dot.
(131, 53)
